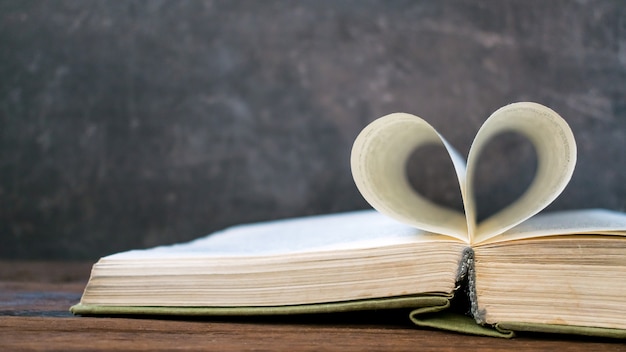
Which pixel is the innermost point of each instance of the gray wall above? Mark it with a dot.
(129, 124)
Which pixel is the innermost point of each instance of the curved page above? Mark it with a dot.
(556, 158)
(378, 161)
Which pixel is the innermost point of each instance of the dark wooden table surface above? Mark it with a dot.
(35, 297)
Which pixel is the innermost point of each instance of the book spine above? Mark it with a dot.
(467, 275)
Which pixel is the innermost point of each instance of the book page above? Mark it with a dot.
(556, 158)
(352, 230)
(571, 222)
(378, 161)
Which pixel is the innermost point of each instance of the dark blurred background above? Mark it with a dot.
(128, 124)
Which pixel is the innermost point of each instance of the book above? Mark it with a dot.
(517, 270)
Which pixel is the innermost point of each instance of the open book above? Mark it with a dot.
(558, 272)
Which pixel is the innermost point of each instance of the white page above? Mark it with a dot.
(352, 230)
(571, 222)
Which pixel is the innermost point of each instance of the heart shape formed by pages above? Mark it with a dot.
(382, 149)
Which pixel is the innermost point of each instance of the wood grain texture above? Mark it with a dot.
(34, 316)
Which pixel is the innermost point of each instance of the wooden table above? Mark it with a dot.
(35, 297)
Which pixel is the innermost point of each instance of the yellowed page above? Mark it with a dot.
(571, 222)
(556, 158)
(563, 280)
(318, 259)
(378, 161)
